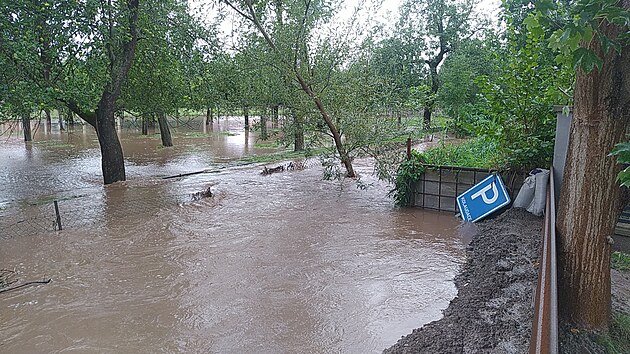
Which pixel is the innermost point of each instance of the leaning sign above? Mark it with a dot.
(483, 199)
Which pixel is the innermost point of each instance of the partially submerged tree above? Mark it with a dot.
(290, 41)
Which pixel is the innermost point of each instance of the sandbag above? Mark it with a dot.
(533, 193)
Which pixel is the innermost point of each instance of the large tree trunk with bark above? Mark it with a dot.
(165, 132)
(26, 126)
(112, 161)
(589, 201)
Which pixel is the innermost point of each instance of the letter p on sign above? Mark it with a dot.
(483, 199)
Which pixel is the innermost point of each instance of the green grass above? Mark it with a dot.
(620, 261)
(272, 145)
(618, 338)
(477, 153)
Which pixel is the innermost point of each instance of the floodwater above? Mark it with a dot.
(285, 263)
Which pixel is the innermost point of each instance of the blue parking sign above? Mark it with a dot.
(483, 199)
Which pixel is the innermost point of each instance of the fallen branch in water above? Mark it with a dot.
(26, 284)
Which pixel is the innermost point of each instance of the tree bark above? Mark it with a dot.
(246, 114)
(61, 128)
(112, 161)
(145, 124)
(589, 199)
(208, 116)
(274, 116)
(26, 126)
(48, 119)
(165, 132)
(263, 126)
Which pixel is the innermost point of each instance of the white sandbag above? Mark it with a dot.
(533, 192)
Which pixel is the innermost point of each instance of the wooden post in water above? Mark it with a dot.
(58, 216)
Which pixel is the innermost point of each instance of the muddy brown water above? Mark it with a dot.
(285, 263)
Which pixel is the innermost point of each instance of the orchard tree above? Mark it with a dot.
(292, 41)
(78, 53)
(434, 28)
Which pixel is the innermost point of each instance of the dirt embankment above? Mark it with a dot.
(494, 308)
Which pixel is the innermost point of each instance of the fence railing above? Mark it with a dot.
(545, 325)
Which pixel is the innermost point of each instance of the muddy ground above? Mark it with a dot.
(494, 307)
(493, 311)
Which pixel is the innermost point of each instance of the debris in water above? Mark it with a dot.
(267, 171)
(204, 194)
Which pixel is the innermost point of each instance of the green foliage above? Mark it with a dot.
(617, 340)
(574, 25)
(408, 174)
(518, 102)
(622, 151)
(620, 261)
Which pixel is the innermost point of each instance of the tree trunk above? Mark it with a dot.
(274, 116)
(48, 119)
(70, 121)
(435, 85)
(246, 114)
(343, 154)
(112, 161)
(26, 126)
(61, 128)
(589, 199)
(298, 132)
(145, 124)
(165, 132)
(263, 126)
(208, 116)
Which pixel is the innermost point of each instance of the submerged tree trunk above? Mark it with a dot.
(70, 120)
(61, 128)
(48, 119)
(26, 126)
(589, 201)
(246, 114)
(298, 132)
(145, 124)
(165, 131)
(103, 121)
(112, 161)
(208, 116)
(263, 126)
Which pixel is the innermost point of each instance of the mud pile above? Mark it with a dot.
(493, 311)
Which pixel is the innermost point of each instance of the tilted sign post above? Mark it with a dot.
(483, 199)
